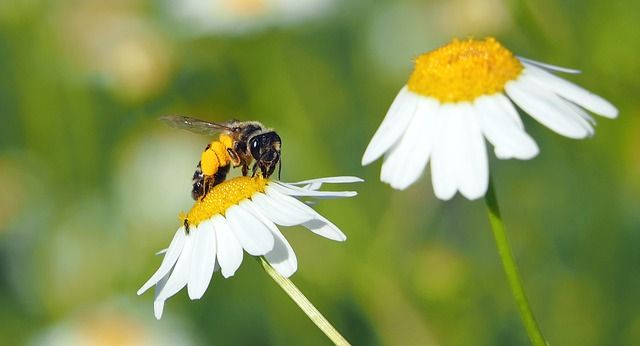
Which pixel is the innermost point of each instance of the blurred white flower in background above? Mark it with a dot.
(153, 177)
(113, 323)
(115, 44)
(244, 16)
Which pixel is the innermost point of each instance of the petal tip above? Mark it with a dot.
(611, 113)
(444, 195)
(400, 186)
(474, 195)
(195, 293)
(227, 274)
(367, 158)
(158, 308)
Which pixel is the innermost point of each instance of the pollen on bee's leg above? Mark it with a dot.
(209, 162)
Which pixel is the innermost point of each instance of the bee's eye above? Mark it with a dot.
(255, 152)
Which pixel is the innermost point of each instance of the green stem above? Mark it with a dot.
(314, 315)
(511, 270)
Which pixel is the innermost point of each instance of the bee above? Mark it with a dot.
(239, 143)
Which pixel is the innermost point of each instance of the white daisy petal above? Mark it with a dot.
(330, 180)
(203, 261)
(229, 250)
(442, 175)
(407, 160)
(548, 66)
(278, 211)
(180, 274)
(316, 184)
(312, 186)
(472, 168)
(315, 222)
(158, 308)
(325, 228)
(506, 106)
(254, 237)
(285, 200)
(572, 92)
(507, 137)
(282, 257)
(390, 164)
(547, 108)
(583, 114)
(393, 125)
(298, 191)
(170, 258)
(459, 160)
(158, 305)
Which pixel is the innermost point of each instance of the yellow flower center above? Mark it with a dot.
(463, 70)
(222, 196)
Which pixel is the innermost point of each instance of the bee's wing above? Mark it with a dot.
(202, 127)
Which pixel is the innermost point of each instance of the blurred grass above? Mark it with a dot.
(92, 184)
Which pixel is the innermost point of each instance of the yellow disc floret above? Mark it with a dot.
(464, 70)
(222, 196)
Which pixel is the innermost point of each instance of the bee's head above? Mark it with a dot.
(265, 149)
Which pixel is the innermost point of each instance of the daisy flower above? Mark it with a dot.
(236, 215)
(464, 92)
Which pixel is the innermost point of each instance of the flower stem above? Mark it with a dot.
(314, 315)
(511, 270)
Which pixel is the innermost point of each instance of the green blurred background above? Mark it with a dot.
(91, 184)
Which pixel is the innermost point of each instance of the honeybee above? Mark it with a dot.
(239, 143)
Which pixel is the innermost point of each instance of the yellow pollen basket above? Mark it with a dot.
(222, 196)
(464, 70)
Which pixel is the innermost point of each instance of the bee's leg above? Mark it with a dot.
(205, 187)
(279, 168)
(233, 157)
(245, 170)
(186, 225)
(220, 175)
(254, 169)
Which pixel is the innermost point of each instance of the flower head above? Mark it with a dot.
(462, 93)
(236, 215)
